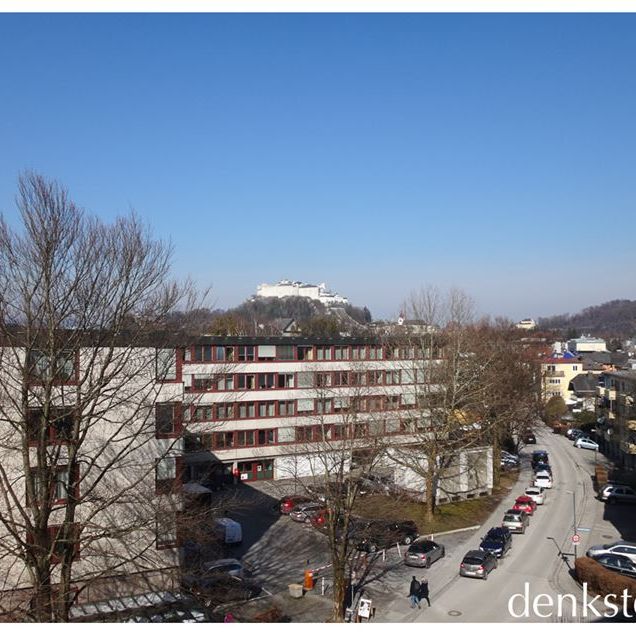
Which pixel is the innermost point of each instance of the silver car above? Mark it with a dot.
(478, 564)
(586, 442)
(622, 548)
(303, 513)
(516, 521)
(423, 553)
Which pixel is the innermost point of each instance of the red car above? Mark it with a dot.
(527, 504)
(287, 504)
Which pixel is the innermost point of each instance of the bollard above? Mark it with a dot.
(322, 586)
(308, 583)
(384, 555)
(398, 549)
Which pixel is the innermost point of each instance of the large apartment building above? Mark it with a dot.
(213, 410)
(617, 416)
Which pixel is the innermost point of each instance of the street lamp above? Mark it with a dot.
(573, 493)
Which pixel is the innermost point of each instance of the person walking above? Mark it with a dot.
(414, 593)
(424, 591)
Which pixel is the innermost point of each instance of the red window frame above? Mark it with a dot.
(177, 420)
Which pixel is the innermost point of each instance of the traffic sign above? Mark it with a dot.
(575, 538)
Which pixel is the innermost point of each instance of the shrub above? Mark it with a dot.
(601, 580)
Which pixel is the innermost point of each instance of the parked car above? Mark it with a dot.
(509, 456)
(228, 531)
(304, 512)
(287, 504)
(622, 548)
(478, 564)
(617, 493)
(497, 540)
(219, 589)
(617, 563)
(543, 480)
(539, 457)
(516, 521)
(379, 534)
(374, 483)
(586, 442)
(233, 567)
(525, 503)
(423, 553)
(529, 438)
(573, 433)
(543, 468)
(537, 494)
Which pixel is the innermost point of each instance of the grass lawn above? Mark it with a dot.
(451, 516)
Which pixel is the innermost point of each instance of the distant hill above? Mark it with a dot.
(614, 318)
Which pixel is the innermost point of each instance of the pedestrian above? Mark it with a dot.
(414, 593)
(424, 590)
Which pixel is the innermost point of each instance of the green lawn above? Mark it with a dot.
(451, 516)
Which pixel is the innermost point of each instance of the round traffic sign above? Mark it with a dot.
(575, 538)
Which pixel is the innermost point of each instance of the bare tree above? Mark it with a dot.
(82, 374)
(447, 390)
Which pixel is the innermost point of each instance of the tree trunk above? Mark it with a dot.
(429, 509)
(339, 593)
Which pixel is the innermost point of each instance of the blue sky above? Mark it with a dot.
(377, 153)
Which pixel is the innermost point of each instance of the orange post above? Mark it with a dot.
(309, 580)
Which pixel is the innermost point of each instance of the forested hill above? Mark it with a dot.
(616, 317)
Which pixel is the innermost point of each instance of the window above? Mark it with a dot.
(392, 402)
(165, 530)
(286, 408)
(374, 403)
(202, 382)
(341, 353)
(392, 377)
(305, 352)
(203, 353)
(245, 438)
(223, 440)
(166, 475)
(225, 383)
(266, 352)
(246, 410)
(266, 437)
(338, 431)
(285, 381)
(341, 404)
(285, 352)
(324, 406)
(59, 367)
(359, 352)
(358, 378)
(246, 353)
(323, 380)
(246, 381)
(59, 544)
(166, 365)
(323, 353)
(375, 353)
(266, 409)
(55, 483)
(224, 411)
(167, 420)
(224, 353)
(202, 413)
(309, 434)
(341, 378)
(265, 380)
(57, 430)
(374, 378)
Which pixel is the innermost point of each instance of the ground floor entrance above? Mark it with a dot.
(256, 470)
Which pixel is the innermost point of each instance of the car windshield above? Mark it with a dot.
(473, 560)
(511, 518)
(424, 546)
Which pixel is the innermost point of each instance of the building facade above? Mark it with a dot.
(286, 288)
(557, 375)
(617, 416)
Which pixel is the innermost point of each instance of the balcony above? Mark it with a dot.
(630, 425)
(554, 374)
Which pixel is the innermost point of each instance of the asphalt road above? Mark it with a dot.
(534, 558)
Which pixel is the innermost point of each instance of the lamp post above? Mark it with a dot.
(574, 519)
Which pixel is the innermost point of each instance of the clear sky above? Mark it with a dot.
(377, 153)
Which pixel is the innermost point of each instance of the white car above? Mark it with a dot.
(623, 548)
(542, 480)
(536, 494)
(586, 442)
(232, 567)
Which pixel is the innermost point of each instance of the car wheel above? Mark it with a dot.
(443, 553)
(427, 563)
(485, 577)
(494, 567)
(523, 530)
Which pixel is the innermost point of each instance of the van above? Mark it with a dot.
(228, 531)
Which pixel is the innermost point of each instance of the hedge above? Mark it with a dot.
(602, 581)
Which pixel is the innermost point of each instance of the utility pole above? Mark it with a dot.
(574, 522)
